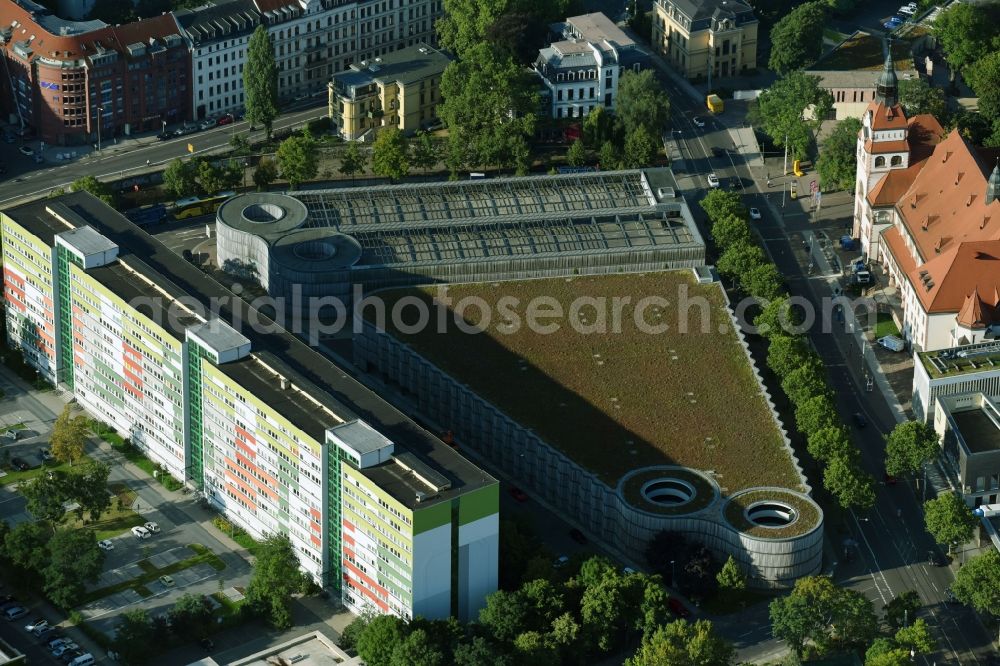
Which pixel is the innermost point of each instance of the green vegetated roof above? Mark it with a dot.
(618, 401)
(862, 51)
(807, 515)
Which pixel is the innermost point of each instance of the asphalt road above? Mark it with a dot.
(890, 555)
(26, 179)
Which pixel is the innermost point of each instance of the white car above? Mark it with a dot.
(37, 624)
(754, 214)
(105, 545)
(698, 121)
(907, 10)
(208, 123)
(152, 527)
(713, 180)
(140, 532)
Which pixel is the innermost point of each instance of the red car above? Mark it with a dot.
(890, 480)
(678, 608)
(518, 494)
(225, 120)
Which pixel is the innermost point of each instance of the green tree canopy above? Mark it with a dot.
(260, 80)
(642, 102)
(391, 154)
(785, 353)
(918, 96)
(489, 106)
(88, 487)
(837, 164)
(45, 497)
(191, 616)
(818, 611)
(425, 152)
(265, 173)
(134, 636)
(505, 615)
(608, 157)
(729, 229)
(417, 649)
(739, 259)
(605, 609)
(69, 434)
(966, 32)
(804, 382)
(478, 651)
(598, 127)
(845, 480)
(352, 162)
(779, 318)
(916, 637)
(977, 583)
(763, 282)
(983, 77)
(719, 203)
(828, 443)
(781, 108)
(24, 545)
(948, 520)
(641, 147)
(210, 177)
(814, 414)
(902, 609)
(379, 638)
(683, 644)
(100, 190)
(180, 178)
(576, 154)
(731, 576)
(298, 160)
(797, 39)
(909, 446)
(276, 576)
(884, 652)
(74, 559)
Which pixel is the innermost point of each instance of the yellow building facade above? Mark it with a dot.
(400, 89)
(706, 39)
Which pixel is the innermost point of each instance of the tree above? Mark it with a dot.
(780, 111)
(779, 319)
(815, 414)
(853, 488)
(654, 610)
(479, 652)
(180, 178)
(828, 443)
(390, 154)
(489, 106)
(948, 520)
(417, 649)
(785, 353)
(532, 648)
(69, 434)
(683, 644)
(209, 177)
(608, 157)
(901, 609)
(977, 584)
(260, 80)
(542, 603)
(837, 164)
(918, 97)
(240, 143)
(797, 39)
(916, 637)
(731, 577)
(134, 636)
(729, 229)
(190, 616)
(505, 615)
(74, 559)
(763, 281)
(909, 446)
(465, 23)
(576, 154)
(883, 652)
(425, 152)
(297, 160)
(641, 102)
(598, 127)
(964, 33)
(352, 162)
(739, 259)
(818, 611)
(90, 184)
(232, 174)
(24, 545)
(88, 487)
(379, 638)
(265, 173)
(804, 382)
(604, 611)
(983, 77)
(45, 497)
(719, 203)
(276, 576)
(640, 147)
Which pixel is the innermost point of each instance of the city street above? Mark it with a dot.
(890, 555)
(26, 180)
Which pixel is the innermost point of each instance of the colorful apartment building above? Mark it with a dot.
(375, 506)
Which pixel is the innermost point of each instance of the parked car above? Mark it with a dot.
(44, 630)
(578, 536)
(860, 420)
(140, 532)
(518, 494)
(152, 527)
(105, 544)
(63, 648)
(19, 464)
(14, 612)
(225, 119)
(892, 343)
(713, 180)
(698, 121)
(52, 642)
(167, 581)
(26, 151)
(208, 123)
(678, 608)
(936, 559)
(755, 214)
(906, 10)
(560, 562)
(44, 454)
(40, 622)
(165, 136)
(889, 479)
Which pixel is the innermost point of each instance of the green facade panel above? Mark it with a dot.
(478, 504)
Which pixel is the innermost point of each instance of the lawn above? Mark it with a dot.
(50, 465)
(864, 52)
(884, 325)
(623, 399)
(151, 572)
(117, 519)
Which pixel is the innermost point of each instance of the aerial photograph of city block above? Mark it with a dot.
(500, 333)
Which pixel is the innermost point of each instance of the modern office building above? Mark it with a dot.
(400, 89)
(969, 427)
(581, 69)
(273, 434)
(706, 39)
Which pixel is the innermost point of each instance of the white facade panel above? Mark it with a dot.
(432, 573)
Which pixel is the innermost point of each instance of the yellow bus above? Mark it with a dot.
(196, 206)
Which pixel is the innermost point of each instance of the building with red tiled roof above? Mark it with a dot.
(73, 82)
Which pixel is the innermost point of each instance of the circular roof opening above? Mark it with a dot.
(316, 250)
(668, 491)
(770, 513)
(263, 213)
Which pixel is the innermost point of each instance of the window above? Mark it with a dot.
(896, 160)
(879, 161)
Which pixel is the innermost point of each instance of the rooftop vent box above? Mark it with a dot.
(665, 193)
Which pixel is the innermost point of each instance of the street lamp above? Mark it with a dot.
(673, 575)
(100, 117)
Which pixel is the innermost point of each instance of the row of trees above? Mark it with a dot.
(139, 637)
(201, 176)
(818, 617)
(594, 612)
(790, 357)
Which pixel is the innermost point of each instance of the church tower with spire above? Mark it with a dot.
(993, 185)
(883, 147)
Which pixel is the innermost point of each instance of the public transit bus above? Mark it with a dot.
(196, 206)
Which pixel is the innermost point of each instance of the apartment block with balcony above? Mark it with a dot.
(377, 509)
(706, 39)
(401, 89)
